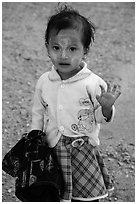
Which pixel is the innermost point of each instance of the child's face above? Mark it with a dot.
(66, 51)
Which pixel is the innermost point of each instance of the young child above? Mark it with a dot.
(77, 102)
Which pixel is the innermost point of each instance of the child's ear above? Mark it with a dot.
(84, 57)
(85, 53)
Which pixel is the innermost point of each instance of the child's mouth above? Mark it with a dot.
(64, 64)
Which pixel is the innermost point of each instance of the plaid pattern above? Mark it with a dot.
(83, 169)
(63, 153)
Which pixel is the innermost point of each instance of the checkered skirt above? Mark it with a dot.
(84, 171)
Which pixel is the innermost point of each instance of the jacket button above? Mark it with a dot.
(60, 107)
(62, 85)
(61, 128)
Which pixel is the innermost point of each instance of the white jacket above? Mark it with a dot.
(64, 106)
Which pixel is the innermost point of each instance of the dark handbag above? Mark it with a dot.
(39, 177)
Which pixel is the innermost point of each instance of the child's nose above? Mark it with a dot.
(64, 54)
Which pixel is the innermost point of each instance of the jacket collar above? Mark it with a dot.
(83, 73)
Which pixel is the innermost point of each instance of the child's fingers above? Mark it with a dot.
(108, 87)
(117, 95)
(114, 89)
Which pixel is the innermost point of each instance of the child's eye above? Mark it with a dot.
(55, 47)
(73, 49)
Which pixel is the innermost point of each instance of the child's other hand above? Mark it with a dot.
(108, 98)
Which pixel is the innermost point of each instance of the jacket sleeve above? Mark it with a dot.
(98, 109)
(38, 108)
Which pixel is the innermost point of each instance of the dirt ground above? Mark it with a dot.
(24, 59)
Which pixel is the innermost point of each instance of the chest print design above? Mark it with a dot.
(85, 116)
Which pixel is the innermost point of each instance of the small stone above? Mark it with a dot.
(9, 190)
(120, 163)
(29, 83)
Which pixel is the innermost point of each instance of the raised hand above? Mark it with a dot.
(108, 98)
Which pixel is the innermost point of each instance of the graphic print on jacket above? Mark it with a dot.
(85, 117)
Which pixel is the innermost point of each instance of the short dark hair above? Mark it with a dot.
(67, 17)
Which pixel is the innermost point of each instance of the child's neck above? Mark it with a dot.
(65, 76)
